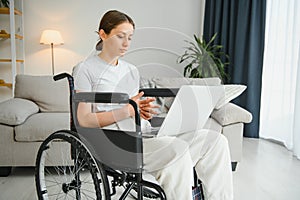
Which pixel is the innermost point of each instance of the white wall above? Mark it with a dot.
(77, 20)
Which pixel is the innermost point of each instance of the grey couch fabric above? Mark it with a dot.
(16, 111)
(39, 108)
(230, 114)
(49, 95)
(39, 126)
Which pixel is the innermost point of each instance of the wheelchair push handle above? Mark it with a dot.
(70, 80)
(61, 76)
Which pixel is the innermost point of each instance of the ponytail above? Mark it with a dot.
(99, 45)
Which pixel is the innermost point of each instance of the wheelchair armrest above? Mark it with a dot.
(101, 97)
(106, 97)
(160, 92)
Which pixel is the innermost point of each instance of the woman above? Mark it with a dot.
(169, 159)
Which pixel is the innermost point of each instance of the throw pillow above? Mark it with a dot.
(230, 92)
(49, 95)
(15, 111)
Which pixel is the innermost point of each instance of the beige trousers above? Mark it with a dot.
(171, 160)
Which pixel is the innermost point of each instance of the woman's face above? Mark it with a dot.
(117, 42)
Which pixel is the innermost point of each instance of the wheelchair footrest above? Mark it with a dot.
(148, 192)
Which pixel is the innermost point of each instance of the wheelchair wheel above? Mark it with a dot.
(74, 174)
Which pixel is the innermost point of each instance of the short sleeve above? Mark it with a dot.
(136, 76)
(82, 81)
(133, 85)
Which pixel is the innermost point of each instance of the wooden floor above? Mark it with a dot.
(267, 172)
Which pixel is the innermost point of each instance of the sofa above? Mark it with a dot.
(41, 106)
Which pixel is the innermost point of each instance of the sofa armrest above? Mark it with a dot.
(231, 114)
(15, 111)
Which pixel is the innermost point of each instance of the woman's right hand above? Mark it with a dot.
(145, 106)
(136, 98)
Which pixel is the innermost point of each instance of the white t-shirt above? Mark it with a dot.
(96, 75)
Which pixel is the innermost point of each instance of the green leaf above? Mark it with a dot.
(212, 39)
(5, 3)
(205, 59)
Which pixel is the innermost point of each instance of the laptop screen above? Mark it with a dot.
(190, 110)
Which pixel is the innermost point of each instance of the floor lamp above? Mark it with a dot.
(51, 37)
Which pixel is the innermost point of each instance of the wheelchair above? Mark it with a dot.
(93, 162)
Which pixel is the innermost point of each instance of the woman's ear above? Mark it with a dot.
(102, 34)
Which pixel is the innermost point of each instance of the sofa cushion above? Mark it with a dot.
(15, 111)
(49, 95)
(39, 126)
(164, 82)
(231, 91)
(231, 114)
(146, 83)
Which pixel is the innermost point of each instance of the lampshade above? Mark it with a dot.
(51, 37)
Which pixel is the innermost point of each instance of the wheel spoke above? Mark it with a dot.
(63, 180)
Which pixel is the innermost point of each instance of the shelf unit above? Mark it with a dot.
(7, 36)
(7, 11)
(14, 14)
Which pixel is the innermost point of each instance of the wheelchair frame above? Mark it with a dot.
(85, 167)
(86, 163)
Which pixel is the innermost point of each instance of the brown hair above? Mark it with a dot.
(110, 20)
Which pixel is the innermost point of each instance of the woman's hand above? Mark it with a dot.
(145, 106)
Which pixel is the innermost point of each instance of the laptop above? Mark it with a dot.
(190, 110)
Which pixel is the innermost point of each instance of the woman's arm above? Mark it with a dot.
(87, 118)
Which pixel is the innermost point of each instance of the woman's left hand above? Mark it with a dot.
(146, 108)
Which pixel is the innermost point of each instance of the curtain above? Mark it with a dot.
(296, 128)
(279, 108)
(240, 26)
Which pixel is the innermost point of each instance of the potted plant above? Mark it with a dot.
(4, 3)
(204, 59)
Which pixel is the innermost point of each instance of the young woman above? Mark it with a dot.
(169, 159)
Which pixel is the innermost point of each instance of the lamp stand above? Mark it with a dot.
(52, 58)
